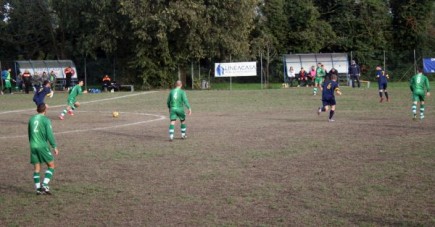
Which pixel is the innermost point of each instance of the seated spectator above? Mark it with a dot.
(291, 76)
(311, 76)
(302, 77)
(106, 83)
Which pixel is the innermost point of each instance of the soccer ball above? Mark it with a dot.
(115, 114)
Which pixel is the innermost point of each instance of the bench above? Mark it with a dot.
(365, 81)
(128, 86)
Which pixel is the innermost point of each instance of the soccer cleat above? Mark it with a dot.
(70, 112)
(61, 117)
(46, 190)
(414, 117)
(39, 191)
(319, 111)
(421, 117)
(184, 137)
(331, 120)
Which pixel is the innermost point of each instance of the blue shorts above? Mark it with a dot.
(382, 86)
(329, 102)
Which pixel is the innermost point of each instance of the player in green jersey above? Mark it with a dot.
(420, 87)
(40, 131)
(320, 75)
(176, 102)
(72, 102)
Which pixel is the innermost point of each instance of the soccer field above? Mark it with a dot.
(252, 157)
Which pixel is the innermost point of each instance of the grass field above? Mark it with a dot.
(252, 158)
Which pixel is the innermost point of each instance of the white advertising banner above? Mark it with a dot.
(234, 69)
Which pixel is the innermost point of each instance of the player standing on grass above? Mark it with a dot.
(419, 84)
(176, 102)
(40, 131)
(382, 82)
(72, 102)
(320, 75)
(42, 92)
(328, 97)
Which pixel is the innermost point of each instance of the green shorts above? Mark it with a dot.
(418, 96)
(71, 102)
(318, 80)
(40, 155)
(177, 114)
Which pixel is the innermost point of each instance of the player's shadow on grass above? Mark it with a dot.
(132, 135)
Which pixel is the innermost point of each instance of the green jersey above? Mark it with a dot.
(177, 99)
(40, 131)
(418, 84)
(76, 90)
(320, 72)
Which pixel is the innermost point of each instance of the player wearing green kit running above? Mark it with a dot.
(419, 84)
(176, 102)
(72, 102)
(40, 131)
(320, 76)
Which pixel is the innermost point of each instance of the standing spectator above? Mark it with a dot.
(418, 84)
(27, 79)
(354, 73)
(4, 74)
(176, 102)
(69, 72)
(302, 78)
(106, 82)
(311, 75)
(382, 82)
(328, 98)
(8, 80)
(320, 76)
(52, 78)
(291, 76)
(40, 132)
(331, 72)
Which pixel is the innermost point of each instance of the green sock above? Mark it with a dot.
(183, 129)
(171, 131)
(414, 108)
(48, 175)
(315, 90)
(421, 110)
(36, 180)
(64, 112)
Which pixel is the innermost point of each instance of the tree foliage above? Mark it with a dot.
(154, 41)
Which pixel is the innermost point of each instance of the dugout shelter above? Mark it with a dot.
(40, 66)
(339, 61)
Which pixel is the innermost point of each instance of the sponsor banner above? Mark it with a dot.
(429, 65)
(234, 69)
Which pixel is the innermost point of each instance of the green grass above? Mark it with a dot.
(253, 157)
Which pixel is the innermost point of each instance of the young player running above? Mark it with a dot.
(42, 92)
(320, 75)
(328, 97)
(418, 84)
(176, 102)
(72, 102)
(382, 83)
(40, 131)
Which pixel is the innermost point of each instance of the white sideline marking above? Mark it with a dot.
(159, 118)
(99, 100)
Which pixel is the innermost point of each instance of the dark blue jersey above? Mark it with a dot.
(40, 95)
(382, 77)
(329, 87)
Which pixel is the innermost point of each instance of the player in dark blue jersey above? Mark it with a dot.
(328, 96)
(382, 82)
(42, 92)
